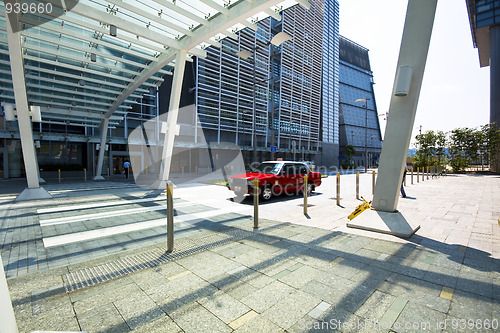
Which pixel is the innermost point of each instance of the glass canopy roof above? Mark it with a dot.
(92, 59)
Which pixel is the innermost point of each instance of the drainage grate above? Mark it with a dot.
(90, 276)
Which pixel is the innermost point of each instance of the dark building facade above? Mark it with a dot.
(359, 125)
(484, 18)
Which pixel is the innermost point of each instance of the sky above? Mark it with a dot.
(455, 90)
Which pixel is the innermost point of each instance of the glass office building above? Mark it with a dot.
(296, 89)
(484, 18)
(359, 126)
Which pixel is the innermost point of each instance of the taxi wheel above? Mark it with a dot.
(266, 193)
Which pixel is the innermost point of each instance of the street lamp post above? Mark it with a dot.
(366, 130)
(277, 40)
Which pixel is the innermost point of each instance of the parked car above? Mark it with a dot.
(276, 178)
(310, 165)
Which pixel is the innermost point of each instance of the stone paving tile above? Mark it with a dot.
(442, 275)
(261, 325)
(466, 305)
(105, 318)
(138, 309)
(264, 298)
(375, 305)
(87, 299)
(163, 324)
(291, 308)
(223, 306)
(197, 264)
(301, 276)
(475, 281)
(195, 318)
(418, 318)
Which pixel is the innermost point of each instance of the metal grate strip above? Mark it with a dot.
(94, 275)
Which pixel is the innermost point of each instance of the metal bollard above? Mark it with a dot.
(306, 186)
(182, 169)
(418, 175)
(412, 176)
(85, 173)
(59, 175)
(108, 174)
(427, 173)
(423, 174)
(404, 179)
(357, 185)
(196, 169)
(255, 203)
(170, 217)
(338, 189)
(373, 182)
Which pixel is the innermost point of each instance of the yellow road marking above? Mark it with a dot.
(178, 276)
(337, 261)
(235, 324)
(447, 293)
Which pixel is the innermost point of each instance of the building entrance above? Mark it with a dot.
(4, 166)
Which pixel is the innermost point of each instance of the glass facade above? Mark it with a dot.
(487, 13)
(330, 112)
(288, 86)
(359, 126)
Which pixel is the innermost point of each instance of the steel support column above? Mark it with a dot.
(173, 112)
(407, 84)
(102, 149)
(413, 53)
(34, 191)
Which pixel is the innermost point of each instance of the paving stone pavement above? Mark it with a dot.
(294, 274)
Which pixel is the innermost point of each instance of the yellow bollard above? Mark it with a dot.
(108, 174)
(338, 189)
(304, 190)
(170, 217)
(357, 185)
(196, 169)
(418, 175)
(412, 176)
(373, 182)
(59, 175)
(85, 173)
(255, 203)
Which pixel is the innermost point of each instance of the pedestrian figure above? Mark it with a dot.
(402, 184)
(126, 165)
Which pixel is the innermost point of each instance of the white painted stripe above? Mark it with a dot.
(86, 217)
(319, 310)
(111, 231)
(237, 270)
(78, 218)
(91, 189)
(96, 205)
(8, 197)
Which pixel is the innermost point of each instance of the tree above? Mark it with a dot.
(461, 142)
(491, 143)
(426, 148)
(440, 147)
(349, 151)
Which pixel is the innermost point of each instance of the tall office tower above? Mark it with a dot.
(330, 84)
(484, 18)
(296, 89)
(359, 125)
